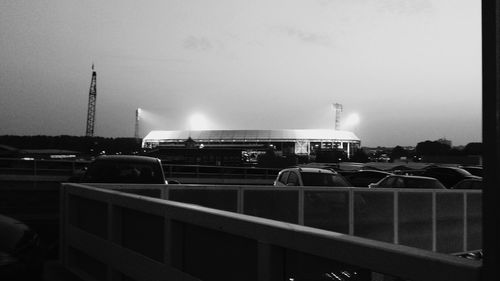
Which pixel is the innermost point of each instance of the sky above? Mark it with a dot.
(409, 69)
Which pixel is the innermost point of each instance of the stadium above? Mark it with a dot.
(234, 146)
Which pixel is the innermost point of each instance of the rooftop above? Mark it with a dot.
(252, 135)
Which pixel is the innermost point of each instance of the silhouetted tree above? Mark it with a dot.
(360, 156)
(270, 160)
(398, 152)
(473, 148)
(330, 156)
(90, 145)
(432, 148)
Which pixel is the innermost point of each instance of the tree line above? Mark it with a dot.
(85, 145)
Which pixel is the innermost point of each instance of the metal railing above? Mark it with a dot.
(201, 171)
(186, 173)
(111, 235)
(37, 167)
(446, 221)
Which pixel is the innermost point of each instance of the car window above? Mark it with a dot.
(423, 183)
(116, 172)
(417, 183)
(293, 179)
(322, 179)
(387, 182)
(469, 184)
(477, 185)
(399, 183)
(283, 176)
(463, 185)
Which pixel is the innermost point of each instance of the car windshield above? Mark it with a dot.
(322, 179)
(422, 183)
(463, 172)
(117, 172)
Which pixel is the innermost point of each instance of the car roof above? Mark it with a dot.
(127, 158)
(310, 170)
(480, 179)
(413, 177)
(444, 167)
(372, 171)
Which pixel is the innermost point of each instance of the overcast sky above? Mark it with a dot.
(411, 69)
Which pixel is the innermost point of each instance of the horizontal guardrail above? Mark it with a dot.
(112, 235)
(446, 221)
(35, 167)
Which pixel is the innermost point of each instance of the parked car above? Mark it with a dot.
(124, 169)
(404, 181)
(449, 176)
(474, 170)
(469, 184)
(309, 177)
(363, 178)
(21, 257)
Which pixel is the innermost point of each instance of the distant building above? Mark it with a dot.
(236, 146)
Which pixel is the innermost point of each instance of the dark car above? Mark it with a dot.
(21, 257)
(469, 184)
(403, 181)
(363, 178)
(449, 176)
(310, 177)
(124, 169)
(474, 170)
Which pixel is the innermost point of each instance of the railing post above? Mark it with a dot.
(396, 217)
(351, 211)
(63, 223)
(300, 210)
(240, 200)
(34, 174)
(165, 192)
(465, 221)
(434, 226)
(112, 220)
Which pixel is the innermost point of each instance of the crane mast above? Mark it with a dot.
(91, 108)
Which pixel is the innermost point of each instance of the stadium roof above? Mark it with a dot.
(251, 135)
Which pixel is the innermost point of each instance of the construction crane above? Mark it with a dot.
(91, 108)
(338, 110)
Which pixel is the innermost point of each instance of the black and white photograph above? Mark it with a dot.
(236, 140)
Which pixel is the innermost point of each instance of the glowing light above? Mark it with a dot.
(198, 121)
(350, 121)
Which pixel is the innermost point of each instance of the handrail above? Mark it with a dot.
(110, 254)
(68, 167)
(451, 222)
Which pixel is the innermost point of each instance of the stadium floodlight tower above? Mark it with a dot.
(91, 108)
(338, 110)
(137, 119)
